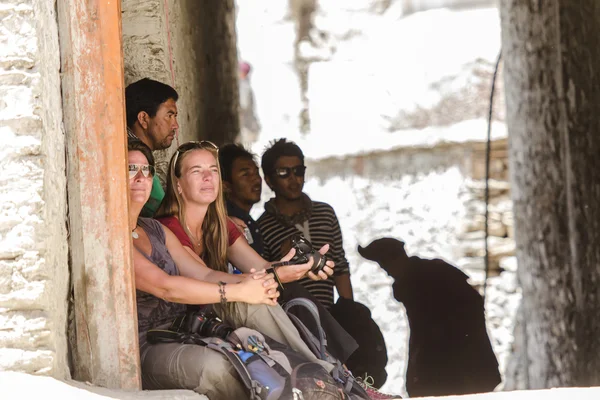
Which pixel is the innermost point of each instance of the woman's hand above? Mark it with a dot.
(261, 289)
(261, 274)
(291, 273)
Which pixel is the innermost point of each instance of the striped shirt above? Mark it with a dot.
(324, 228)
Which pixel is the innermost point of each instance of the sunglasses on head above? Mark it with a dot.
(147, 170)
(283, 173)
(194, 145)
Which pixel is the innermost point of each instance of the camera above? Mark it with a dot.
(304, 249)
(208, 325)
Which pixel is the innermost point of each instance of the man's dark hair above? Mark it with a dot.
(228, 154)
(138, 145)
(146, 95)
(279, 148)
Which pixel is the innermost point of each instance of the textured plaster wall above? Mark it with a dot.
(147, 53)
(34, 274)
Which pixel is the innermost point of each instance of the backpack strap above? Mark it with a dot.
(307, 336)
(349, 383)
(155, 336)
(257, 391)
(319, 342)
(255, 342)
(339, 372)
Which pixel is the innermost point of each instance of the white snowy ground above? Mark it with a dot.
(30, 387)
(381, 64)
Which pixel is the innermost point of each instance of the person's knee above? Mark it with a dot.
(219, 380)
(250, 314)
(216, 363)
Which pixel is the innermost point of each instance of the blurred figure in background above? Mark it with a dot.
(249, 125)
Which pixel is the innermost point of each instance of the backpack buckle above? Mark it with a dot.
(297, 394)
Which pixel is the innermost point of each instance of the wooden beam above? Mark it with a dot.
(107, 351)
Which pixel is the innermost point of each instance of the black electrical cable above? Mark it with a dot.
(487, 175)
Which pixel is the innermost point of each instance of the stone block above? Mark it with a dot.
(475, 229)
(15, 78)
(502, 247)
(32, 361)
(18, 102)
(30, 126)
(18, 35)
(509, 264)
(471, 263)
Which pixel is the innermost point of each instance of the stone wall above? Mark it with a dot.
(34, 273)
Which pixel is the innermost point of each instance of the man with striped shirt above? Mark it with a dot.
(291, 211)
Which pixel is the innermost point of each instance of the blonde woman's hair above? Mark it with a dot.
(215, 236)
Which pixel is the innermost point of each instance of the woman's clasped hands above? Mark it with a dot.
(259, 287)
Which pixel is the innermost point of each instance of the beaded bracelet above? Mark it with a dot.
(222, 293)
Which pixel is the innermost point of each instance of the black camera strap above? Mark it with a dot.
(273, 270)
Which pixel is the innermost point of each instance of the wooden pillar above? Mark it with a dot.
(552, 81)
(101, 267)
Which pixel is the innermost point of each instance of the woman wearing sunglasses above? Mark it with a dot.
(167, 278)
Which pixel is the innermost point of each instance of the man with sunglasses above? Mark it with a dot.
(291, 211)
(151, 111)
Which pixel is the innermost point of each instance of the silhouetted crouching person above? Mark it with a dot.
(449, 348)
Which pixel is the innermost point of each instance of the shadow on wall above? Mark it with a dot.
(449, 349)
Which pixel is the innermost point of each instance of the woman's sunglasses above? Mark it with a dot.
(283, 173)
(203, 144)
(147, 170)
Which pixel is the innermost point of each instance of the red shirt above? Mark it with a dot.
(175, 226)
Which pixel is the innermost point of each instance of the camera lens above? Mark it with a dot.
(318, 262)
(213, 327)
